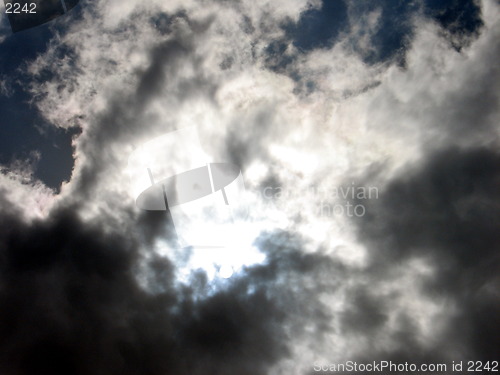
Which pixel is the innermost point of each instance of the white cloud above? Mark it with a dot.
(27, 196)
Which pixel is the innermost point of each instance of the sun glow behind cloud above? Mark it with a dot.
(217, 262)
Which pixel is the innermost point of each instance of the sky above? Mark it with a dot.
(367, 138)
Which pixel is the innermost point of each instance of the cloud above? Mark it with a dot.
(5, 87)
(446, 212)
(92, 284)
(23, 195)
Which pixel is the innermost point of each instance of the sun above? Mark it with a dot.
(217, 262)
(229, 260)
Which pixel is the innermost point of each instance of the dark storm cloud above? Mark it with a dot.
(365, 314)
(447, 211)
(71, 304)
(452, 200)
